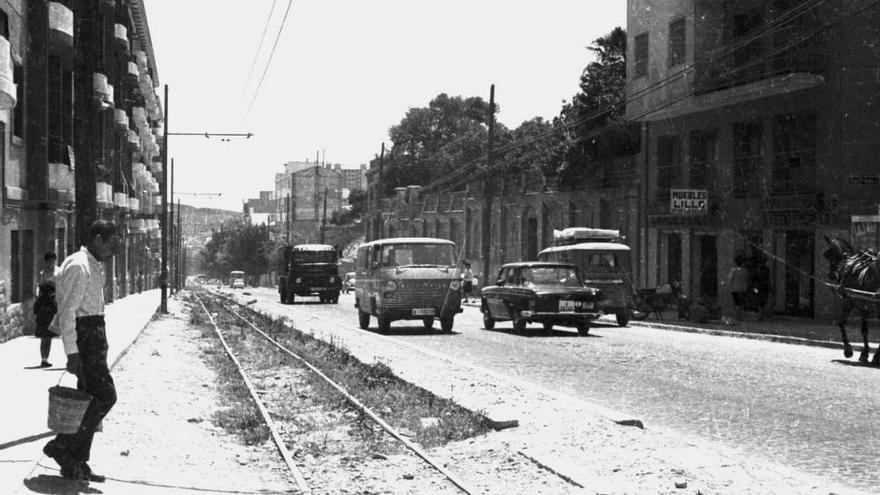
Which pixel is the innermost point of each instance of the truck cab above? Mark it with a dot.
(309, 270)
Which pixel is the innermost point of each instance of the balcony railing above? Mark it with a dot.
(785, 50)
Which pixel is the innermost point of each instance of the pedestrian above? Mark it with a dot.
(45, 306)
(760, 284)
(80, 291)
(738, 284)
(467, 282)
(140, 282)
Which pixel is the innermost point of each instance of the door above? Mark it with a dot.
(799, 281)
(708, 268)
(673, 263)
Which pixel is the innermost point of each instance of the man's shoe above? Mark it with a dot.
(91, 476)
(45, 364)
(55, 451)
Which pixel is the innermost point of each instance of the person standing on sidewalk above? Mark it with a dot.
(45, 306)
(80, 290)
(738, 284)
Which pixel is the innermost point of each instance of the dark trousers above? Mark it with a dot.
(91, 340)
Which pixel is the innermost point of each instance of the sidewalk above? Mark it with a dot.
(23, 430)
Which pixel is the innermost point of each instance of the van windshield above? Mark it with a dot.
(409, 254)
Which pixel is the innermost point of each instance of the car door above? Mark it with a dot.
(495, 295)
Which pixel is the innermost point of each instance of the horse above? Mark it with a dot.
(854, 270)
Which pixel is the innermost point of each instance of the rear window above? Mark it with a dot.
(602, 262)
(314, 256)
(550, 275)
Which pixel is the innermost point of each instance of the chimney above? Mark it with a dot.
(400, 195)
(412, 193)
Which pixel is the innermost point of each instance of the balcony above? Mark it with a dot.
(783, 51)
(60, 30)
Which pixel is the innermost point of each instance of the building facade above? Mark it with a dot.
(81, 133)
(523, 212)
(308, 198)
(760, 136)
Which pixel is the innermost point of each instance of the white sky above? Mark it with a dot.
(345, 71)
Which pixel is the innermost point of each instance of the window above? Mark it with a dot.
(677, 37)
(794, 153)
(641, 55)
(22, 250)
(702, 159)
(746, 158)
(4, 24)
(18, 111)
(668, 165)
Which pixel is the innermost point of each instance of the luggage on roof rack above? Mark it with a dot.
(585, 234)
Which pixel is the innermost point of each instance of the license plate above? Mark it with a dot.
(423, 312)
(566, 305)
(315, 289)
(569, 306)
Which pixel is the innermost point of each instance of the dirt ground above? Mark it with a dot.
(160, 438)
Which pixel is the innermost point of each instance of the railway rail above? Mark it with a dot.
(299, 479)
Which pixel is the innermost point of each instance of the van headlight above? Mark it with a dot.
(390, 286)
(299, 280)
(454, 285)
(332, 279)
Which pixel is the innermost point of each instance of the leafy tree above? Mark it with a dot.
(592, 123)
(237, 245)
(430, 142)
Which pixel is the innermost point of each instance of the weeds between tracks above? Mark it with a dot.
(316, 416)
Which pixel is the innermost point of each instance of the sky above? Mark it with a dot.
(345, 71)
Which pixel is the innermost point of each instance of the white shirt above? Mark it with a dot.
(79, 290)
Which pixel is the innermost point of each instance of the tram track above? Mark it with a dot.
(266, 413)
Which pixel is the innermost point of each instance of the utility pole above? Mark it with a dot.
(377, 229)
(171, 229)
(179, 246)
(324, 219)
(287, 218)
(485, 251)
(163, 224)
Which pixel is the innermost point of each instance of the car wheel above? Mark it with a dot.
(334, 298)
(519, 323)
(363, 319)
(548, 327)
(488, 321)
(283, 298)
(384, 324)
(583, 328)
(428, 322)
(623, 318)
(290, 298)
(446, 324)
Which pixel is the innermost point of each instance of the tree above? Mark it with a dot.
(430, 142)
(237, 245)
(592, 123)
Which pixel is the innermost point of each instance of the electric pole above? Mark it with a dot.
(324, 219)
(377, 229)
(287, 218)
(485, 250)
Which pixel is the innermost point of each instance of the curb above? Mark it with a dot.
(767, 337)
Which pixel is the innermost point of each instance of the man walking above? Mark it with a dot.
(45, 307)
(80, 293)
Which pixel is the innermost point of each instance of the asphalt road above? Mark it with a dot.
(799, 406)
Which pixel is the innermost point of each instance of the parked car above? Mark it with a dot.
(348, 282)
(550, 293)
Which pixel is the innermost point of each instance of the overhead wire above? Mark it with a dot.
(259, 48)
(269, 61)
(728, 48)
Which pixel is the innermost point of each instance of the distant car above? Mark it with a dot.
(348, 282)
(550, 293)
(238, 283)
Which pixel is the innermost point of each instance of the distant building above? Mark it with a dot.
(301, 193)
(262, 210)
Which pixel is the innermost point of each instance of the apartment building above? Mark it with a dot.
(80, 123)
(760, 134)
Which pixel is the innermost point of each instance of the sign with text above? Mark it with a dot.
(865, 232)
(688, 201)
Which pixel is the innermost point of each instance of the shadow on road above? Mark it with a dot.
(857, 364)
(56, 485)
(538, 332)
